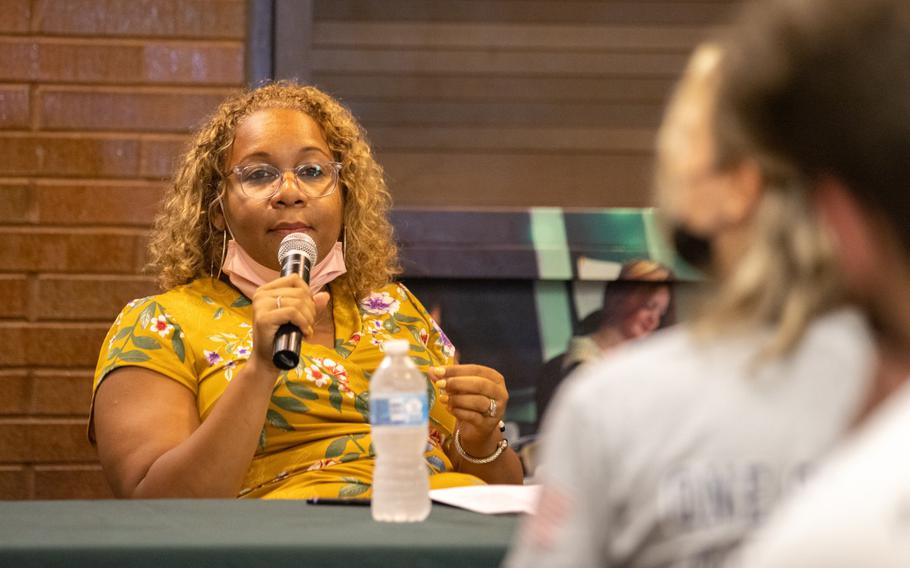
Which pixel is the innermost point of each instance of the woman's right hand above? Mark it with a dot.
(283, 300)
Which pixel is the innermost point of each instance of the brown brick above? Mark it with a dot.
(15, 16)
(158, 18)
(70, 251)
(71, 482)
(87, 297)
(14, 392)
(51, 345)
(14, 203)
(148, 62)
(14, 292)
(14, 446)
(18, 59)
(157, 111)
(59, 440)
(62, 61)
(15, 482)
(97, 202)
(194, 64)
(160, 156)
(121, 62)
(14, 109)
(61, 392)
(53, 440)
(68, 155)
(13, 338)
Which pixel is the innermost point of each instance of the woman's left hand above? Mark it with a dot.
(478, 398)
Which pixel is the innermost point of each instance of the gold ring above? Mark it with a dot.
(278, 301)
(491, 412)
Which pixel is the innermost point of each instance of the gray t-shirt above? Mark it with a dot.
(855, 512)
(667, 453)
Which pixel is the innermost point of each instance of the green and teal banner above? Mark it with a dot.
(511, 287)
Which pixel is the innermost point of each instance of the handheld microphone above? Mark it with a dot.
(296, 255)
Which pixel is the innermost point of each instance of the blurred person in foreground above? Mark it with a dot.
(187, 401)
(635, 305)
(827, 83)
(669, 451)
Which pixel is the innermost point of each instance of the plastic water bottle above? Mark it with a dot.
(398, 420)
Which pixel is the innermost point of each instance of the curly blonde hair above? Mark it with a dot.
(186, 245)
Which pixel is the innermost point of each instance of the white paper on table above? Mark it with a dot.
(490, 499)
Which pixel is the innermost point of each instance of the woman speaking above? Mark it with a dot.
(187, 401)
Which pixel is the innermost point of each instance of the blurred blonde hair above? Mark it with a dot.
(787, 274)
(185, 244)
(645, 270)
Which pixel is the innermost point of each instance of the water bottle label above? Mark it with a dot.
(404, 409)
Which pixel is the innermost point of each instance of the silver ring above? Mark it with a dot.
(278, 301)
(491, 412)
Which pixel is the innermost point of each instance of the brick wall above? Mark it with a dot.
(96, 98)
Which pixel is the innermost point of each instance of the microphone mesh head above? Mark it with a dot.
(299, 243)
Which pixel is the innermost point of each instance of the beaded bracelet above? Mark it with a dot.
(502, 445)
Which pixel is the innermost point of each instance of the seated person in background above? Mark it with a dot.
(669, 451)
(187, 401)
(637, 303)
(827, 83)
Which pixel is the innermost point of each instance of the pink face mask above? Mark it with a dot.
(248, 275)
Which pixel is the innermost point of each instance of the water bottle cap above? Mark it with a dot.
(396, 347)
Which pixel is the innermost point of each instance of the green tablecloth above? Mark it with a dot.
(241, 533)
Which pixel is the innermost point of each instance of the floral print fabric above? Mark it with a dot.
(316, 437)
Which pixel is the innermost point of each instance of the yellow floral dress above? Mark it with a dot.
(316, 437)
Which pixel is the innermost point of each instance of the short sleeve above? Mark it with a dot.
(145, 334)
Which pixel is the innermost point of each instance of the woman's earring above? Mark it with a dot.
(212, 255)
(223, 252)
(224, 234)
(344, 244)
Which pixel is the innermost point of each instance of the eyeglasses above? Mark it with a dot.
(263, 181)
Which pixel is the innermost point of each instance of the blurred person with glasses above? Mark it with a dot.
(187, 401)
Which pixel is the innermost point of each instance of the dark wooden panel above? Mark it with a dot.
(680, 12)
(493, 61)
(377, 86)
(512, 140)
(293, 20)
(502, 113)
(260, 37)
(426, 35)
(489, 103)
(496, 180)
